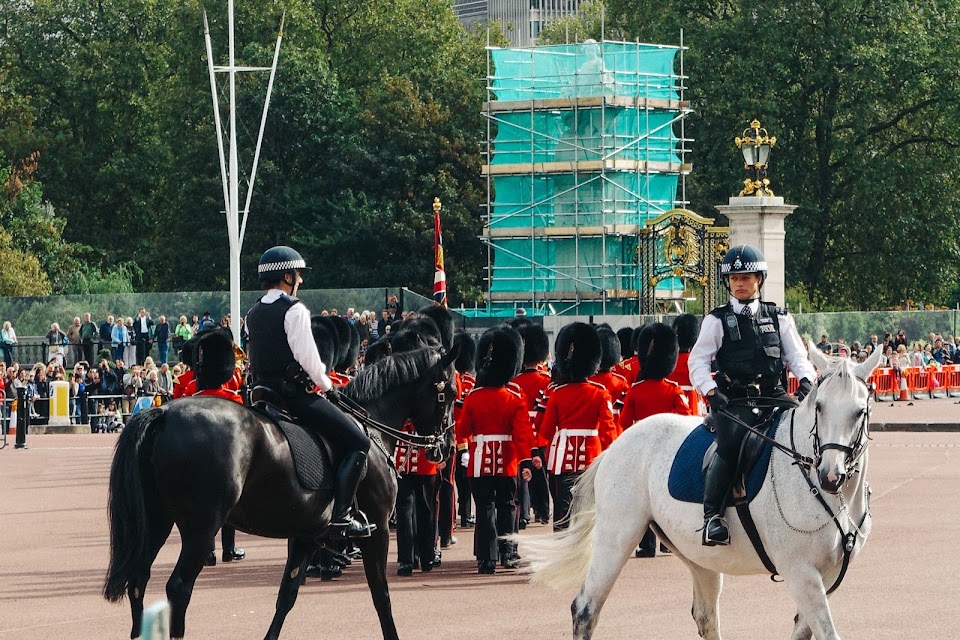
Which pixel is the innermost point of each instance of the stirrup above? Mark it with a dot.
(720, 535)
(353, 527)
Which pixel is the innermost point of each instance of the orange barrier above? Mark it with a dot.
(793, 384)
(939, 383)
(885, 383)
(918, 383)
(953, 380)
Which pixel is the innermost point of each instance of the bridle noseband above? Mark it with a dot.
(858, 444)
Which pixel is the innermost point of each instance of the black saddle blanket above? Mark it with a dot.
(311, 456)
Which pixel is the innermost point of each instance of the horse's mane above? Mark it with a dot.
(399, 368)
(841, 371)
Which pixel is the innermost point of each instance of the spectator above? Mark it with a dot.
(195, 325)
(928, 354)
(916, 357)
(161, 333)
(165, 381)
(940, 353)
(55, 341)
(151, 386)
(76, 397)
(143, 329)
(106, 331)
(8, 341)
(132, 388)
(823, 345)
(205, 323)
(118, 339)
(88, 334)
(360, 322)
(956, 351)
(900, 339)
(351, 315)
(41, 400)
(181, 333)
(130, 346)
(112, 421)
(73, 339)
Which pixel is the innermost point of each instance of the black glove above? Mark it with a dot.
(717, 401)
(805, 388)
(333, 395)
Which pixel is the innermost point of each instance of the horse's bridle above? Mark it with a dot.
(853, 451)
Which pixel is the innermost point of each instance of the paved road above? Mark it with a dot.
(53, 523)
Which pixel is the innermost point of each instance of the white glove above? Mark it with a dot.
(464, 458)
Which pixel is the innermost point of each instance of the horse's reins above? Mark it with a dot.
(352, 407)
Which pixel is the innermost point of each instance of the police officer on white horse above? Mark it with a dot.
(283, 357)
(751, 340)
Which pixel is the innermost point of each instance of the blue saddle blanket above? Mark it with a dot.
(686, 473)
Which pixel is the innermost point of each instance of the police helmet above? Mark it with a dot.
(743, 259)
(277, 261)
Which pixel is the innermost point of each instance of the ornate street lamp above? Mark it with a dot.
(755, 145)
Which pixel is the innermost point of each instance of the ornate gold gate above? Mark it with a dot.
(681, 244)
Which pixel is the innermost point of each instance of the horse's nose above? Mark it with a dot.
(831, 481)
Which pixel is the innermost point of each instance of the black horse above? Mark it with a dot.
(204, 462)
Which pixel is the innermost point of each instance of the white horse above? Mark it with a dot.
(810, 543)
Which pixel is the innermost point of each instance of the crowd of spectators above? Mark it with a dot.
(124, 361)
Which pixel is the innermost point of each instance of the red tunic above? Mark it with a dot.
(616, 385)
(628, 368)
(180, 385)
(533, 382)
(411, 459)
(681, 374)
(578, 423)
(221, 392)
(650, 397)
(496, 419)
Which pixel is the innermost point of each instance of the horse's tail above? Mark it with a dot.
(561, 561)
(127, 506)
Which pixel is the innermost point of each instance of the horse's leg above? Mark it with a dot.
(617, 533)
(298, 555)
(195, 547)
(375, 550)
(801, 630)
(160, 527)
(706, 600)
(806, 587)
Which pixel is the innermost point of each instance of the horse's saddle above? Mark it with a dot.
(314, 457)
(686, 474)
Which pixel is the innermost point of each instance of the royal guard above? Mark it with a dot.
(495, 418)
(215, 364)
(627, 367)
(653, 393)
(465, 366)
(615, 384)
(185, 379)
(446, 511)
(416, 512)
(578, 420)
(533, 380)
(687, 328)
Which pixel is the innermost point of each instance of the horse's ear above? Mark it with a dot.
(865, 368)
(451, 356)
(819, 360)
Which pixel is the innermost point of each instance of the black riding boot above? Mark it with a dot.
(717, 482)
(348, 478)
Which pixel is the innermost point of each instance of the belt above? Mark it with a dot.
(480, 440)
(558, 447)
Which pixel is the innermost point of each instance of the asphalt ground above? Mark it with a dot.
(54, 528)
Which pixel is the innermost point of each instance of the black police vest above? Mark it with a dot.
(750, 351)
(267, 345)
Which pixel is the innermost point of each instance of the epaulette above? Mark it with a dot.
(518, 394)
(596, 384)
(617, 375)
(719, 311)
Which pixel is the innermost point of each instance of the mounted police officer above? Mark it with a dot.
(751, 340)
(283, 356)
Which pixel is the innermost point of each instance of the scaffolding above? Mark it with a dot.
(585, 144)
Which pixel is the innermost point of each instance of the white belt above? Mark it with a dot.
(558, 447)
(480, 440)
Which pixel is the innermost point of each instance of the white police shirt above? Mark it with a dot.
(792, 349)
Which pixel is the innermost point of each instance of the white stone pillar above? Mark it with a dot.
(759, 221)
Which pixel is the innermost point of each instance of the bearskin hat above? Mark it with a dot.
(427, 329)
(215, 359)
(625, 335)
(337, 327)
(325, 337)
(349, 360)
(687, 328)
(376, 352)
(408, 339)
(657, 351)
(536, 344)
(443, 318)
(188, 351)
(609, 347)
(578, 351)
(467, 357)
(499, 354)
(520, 321)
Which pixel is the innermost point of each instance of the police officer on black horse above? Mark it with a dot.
(751, 340)
(283, 357)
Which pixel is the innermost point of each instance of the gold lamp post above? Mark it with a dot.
(755, 145)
